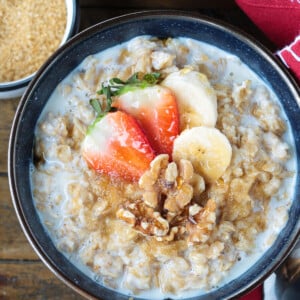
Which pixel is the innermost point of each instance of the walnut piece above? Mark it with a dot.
(177, 200)
(202, 222)
(144, 219)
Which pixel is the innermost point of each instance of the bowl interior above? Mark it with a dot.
(103, 36)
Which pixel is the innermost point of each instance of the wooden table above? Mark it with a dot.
(22, 274)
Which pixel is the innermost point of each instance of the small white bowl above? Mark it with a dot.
(13, 89)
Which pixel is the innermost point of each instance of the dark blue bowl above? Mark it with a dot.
(107, 34)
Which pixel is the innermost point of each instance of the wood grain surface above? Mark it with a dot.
(22, 274)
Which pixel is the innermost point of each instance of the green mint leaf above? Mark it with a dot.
(116, 81)
(108, 99)
(96, 105)
(117, 86)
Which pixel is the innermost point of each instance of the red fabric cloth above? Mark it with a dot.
(280, 21)
(290, 55)
(256, 294)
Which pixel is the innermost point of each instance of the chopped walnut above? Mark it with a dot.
(143, 218)
(186, 170)
(171, 173)
(158, 163)
(151, 198)
(126, 216)
(177, 200)
(149, 177)
(174, 232)
(167, 209)
(202, 221)
(198, 184)
(167, 187)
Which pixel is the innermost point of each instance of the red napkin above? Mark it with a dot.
(280, 21)
(255, 294)
(290, 55)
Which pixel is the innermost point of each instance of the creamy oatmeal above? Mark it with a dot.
(199, 207)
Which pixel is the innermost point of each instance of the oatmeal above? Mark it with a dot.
(163, 167)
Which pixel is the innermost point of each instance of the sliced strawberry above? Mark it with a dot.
(116, 145)
(155, 108)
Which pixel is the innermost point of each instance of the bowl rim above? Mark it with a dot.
(240, 34)
(12, 87)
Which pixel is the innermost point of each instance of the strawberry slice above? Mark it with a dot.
(155, 108)
(115, 145)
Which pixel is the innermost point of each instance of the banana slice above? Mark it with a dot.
(207, 148)
(196, 99)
